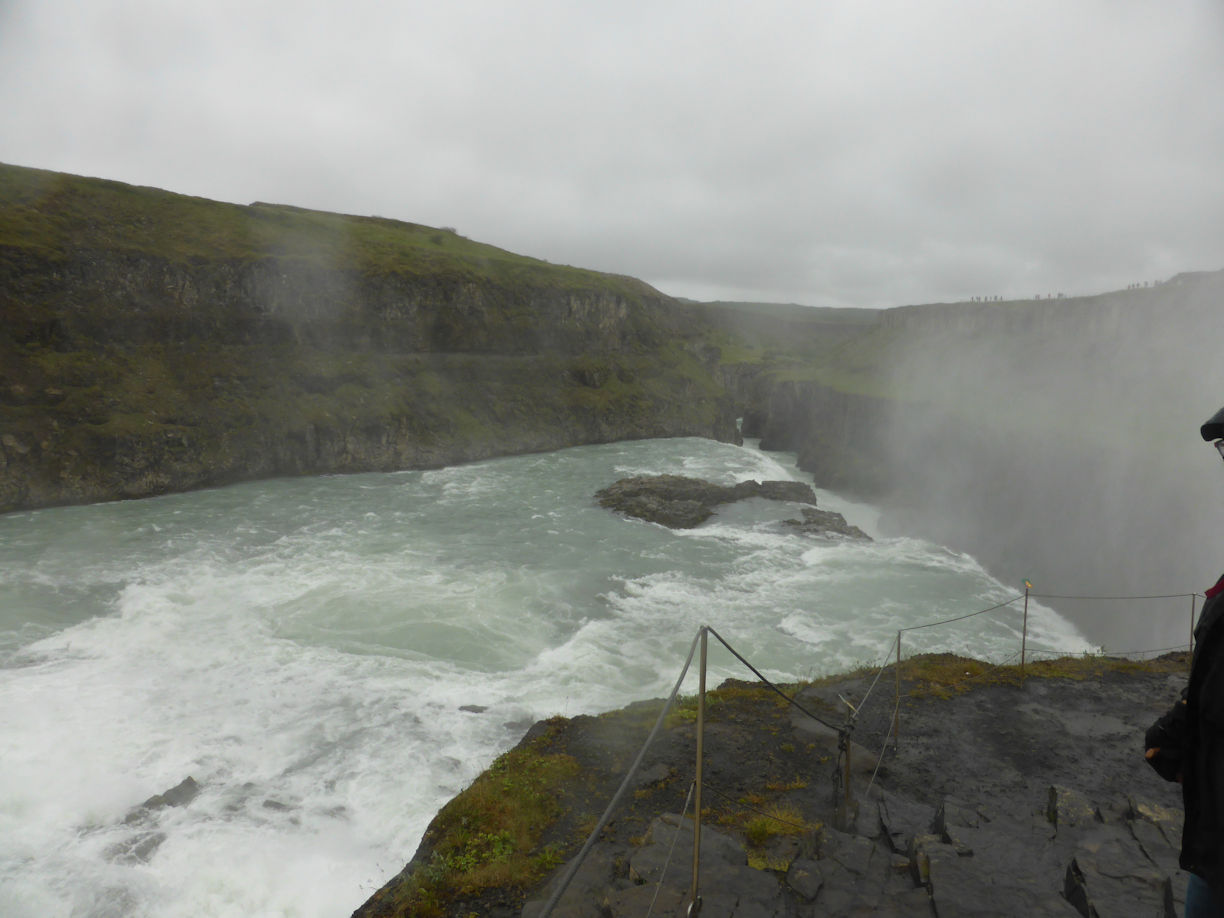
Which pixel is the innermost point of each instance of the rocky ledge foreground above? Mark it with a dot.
(1004, 797)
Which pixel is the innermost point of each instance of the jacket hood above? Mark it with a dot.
(1214, 428)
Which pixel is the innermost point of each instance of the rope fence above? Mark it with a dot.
(842, 790)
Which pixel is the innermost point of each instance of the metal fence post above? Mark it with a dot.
(896, 725)
(849, 789)
(1024, 632)
(694, 899)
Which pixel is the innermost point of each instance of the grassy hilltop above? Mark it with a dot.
(155, 342)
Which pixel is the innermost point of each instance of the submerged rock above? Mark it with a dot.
(179, 795)
(141, 846)
(826, 522)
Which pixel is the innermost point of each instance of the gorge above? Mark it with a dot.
(152, 343)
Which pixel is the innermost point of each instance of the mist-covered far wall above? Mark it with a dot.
(1058, 440)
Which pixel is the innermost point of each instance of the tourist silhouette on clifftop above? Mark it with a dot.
(1187, 745)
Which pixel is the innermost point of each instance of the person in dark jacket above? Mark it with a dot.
(1187, 745)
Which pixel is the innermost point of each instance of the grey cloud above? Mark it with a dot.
(840, 153)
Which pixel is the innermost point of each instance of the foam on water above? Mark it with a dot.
(304, 648)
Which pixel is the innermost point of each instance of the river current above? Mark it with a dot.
(333, 658)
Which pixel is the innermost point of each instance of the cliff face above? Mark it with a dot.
(153, 343)
(836, 435)
(1055, 440)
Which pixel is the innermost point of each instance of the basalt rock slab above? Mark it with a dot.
(679, 502)
(995, 802)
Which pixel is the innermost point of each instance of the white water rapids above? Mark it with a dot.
(302, 648)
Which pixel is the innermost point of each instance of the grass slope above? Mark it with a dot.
(151, 341)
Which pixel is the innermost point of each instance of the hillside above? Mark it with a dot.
(152, 342)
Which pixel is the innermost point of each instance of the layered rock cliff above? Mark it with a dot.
(151, 342)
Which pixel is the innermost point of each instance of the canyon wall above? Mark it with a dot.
(1055, 440)
(152, 343)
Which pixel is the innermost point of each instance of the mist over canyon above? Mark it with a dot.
(153, 343)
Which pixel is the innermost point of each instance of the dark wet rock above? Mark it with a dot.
(1006, 798)
(635, 901)
(826, 523)
(901, 821)
(1108, 876)
(683, 503)
(728, 886)
(1067, 807)
(473, 708)
(137, 849)
(140, 846)
(671, 833)
(179, 795)
(654, 775)
(805, 877)
(599, 876)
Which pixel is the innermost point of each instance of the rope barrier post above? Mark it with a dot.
(896, 724)
(1024, 631)
(849, 791)
(694, 899)
(843, 806)
(576, 862)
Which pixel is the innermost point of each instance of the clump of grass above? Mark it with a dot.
(759, 860)
(778, 819)
(684, 709)
(761, 821)
(796, 783)
(945, 674)
(490, 835)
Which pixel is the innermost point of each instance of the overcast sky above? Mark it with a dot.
(826, 152)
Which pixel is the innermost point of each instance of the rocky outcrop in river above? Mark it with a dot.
(679, 502)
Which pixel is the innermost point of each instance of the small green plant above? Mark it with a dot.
(774, 820)
(489, 836)
(684, 710)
